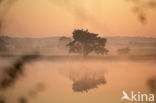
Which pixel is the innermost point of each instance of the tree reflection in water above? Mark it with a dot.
(84, 80)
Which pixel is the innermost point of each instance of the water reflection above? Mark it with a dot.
(84, 80)
(49, 82)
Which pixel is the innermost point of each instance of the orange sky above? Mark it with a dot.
(44, 18)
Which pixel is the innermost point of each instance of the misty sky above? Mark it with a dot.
(44, 18)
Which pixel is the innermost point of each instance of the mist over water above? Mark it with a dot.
(48, 80)
(29, 77)
(55, 76)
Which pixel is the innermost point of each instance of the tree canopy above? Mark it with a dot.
(85, 42)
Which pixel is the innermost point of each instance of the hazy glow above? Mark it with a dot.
(43, 18)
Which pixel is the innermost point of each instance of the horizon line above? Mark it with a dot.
(71, 36)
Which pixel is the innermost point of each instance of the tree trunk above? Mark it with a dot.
(84, 51)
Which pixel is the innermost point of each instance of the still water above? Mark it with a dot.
(78, 81)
